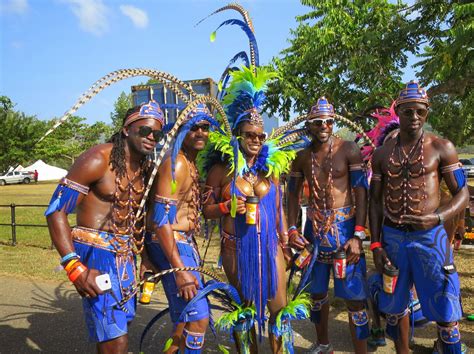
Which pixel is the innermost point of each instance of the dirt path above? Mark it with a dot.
(47, 316)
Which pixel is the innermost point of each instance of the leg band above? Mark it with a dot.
(361, 321)
(242, 334)
(285, 332)
(392, 323)
(194, 342)
(449, 339)
(316, 309)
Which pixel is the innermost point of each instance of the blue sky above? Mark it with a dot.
(54, 50)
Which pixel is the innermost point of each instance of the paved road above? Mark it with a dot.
(46, 316)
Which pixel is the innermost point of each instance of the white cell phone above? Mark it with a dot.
(103, 282)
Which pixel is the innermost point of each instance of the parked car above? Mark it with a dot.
(468, 167)
(16, 177)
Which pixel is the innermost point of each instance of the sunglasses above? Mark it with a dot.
(320, 121)
(253, 136)
(204, 127)
(145, 131)
(409, 112)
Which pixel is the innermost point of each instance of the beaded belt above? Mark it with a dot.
(102, 239)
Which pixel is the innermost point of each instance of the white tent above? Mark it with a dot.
(46, 172)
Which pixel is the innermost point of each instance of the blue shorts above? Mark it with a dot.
(190, 258)
(420, 257)
(104, 320)
(354, 286)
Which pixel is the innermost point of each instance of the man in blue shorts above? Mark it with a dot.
(173, 223)
(105, 186)
(406, 222)
(336, 218)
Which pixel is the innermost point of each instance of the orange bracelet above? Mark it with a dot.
(74, 266)
(69, 265)
(375, 245)
(223, 208)
(76, 272)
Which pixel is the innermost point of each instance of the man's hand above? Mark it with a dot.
(297, 241)
(353, 248)
(85, 284)
(421, 222)
(187, 285)
(146, 266)
(380, 258)
(241, 208)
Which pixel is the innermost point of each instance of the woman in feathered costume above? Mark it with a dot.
(253, 254)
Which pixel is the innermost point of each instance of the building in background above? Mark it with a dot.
(162, 95)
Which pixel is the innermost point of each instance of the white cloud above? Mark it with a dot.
(18, 7)
(92, 15)
(138, 16)
(17, 44)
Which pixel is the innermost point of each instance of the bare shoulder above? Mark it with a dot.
(91, 165)
(217, 174)
(301, 157)
(439, 143)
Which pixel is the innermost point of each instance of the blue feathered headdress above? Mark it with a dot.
(199, 114)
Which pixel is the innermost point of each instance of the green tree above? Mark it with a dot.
(355, 52)
(18, 133)
(121, 106)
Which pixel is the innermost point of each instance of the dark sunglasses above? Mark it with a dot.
(320, 122)
(145, 131)
(420, 112)
(204, 127)
(252, 136)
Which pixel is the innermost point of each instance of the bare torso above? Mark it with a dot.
(321, 164)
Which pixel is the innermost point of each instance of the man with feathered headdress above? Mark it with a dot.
(173, 223)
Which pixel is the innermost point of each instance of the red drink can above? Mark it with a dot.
(339, 265)
(390, 277)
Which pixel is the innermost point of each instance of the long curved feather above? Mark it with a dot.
(232, 6)
(254, 54)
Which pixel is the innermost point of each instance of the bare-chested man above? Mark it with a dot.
(406, 222)
(333, 169)
(106, 183)
(172, 227)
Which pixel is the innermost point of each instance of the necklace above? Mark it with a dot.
(322, 218)
(124, 220)
(402, 168)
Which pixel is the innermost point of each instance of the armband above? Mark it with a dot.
(458, 172)
(358, 176)
(164, 211)
(65, 196)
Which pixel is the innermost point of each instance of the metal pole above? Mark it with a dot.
(12, 207)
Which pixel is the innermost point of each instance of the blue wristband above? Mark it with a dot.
(68, 257)
(292, 228)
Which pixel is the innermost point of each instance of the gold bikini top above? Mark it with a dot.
(248, 185)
